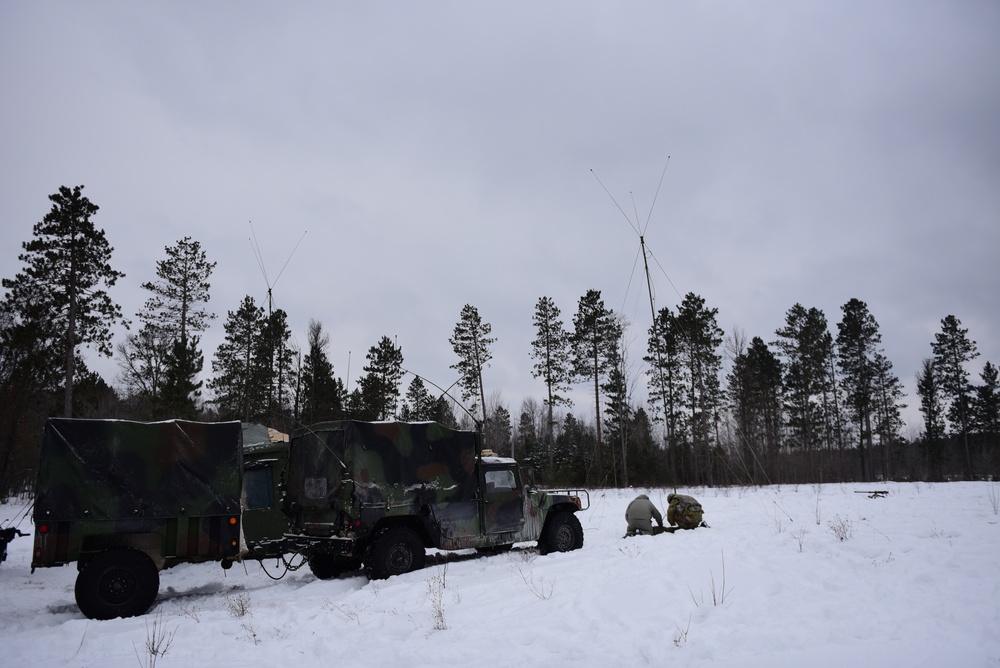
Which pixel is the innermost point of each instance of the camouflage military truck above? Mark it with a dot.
(124, 500)
(379, 494)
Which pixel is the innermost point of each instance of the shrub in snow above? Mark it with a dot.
(842, 528)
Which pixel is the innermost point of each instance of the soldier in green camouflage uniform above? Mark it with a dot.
(684, 511)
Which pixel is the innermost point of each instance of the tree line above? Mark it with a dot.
(806, 406)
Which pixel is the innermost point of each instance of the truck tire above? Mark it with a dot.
(327, 566)
(117, 583)
(562, 533)
(394, 552)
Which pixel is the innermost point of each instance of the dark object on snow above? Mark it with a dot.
(128, 499)
(378, 494)
(873, 493)
(7, 535)
(684, 512)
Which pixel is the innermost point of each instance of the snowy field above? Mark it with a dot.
(787, 576)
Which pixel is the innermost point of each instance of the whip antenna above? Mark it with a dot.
(640, 232)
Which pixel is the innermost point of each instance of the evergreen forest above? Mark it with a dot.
(814, 401)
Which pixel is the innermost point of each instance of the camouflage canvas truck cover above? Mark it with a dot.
(380, 493)
(127, 499)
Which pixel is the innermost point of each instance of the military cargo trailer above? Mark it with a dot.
(124, 500)
(381, 493)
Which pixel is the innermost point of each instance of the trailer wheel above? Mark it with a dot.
(327, 566)
(394, 552)
(117, 583)
(562, 533)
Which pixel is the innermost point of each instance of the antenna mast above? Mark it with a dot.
(645, 263)
(270, 304)
(263, 270)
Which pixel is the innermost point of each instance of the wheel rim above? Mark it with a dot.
(565, 538)
(399, 559)
(118, 585)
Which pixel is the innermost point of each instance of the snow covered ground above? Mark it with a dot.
(786, 576)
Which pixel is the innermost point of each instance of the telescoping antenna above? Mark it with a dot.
(272, 391)
(640, 230)
(263, 270)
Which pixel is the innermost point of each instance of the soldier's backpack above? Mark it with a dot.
(684, 511)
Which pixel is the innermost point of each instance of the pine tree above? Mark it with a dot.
(275, 367)
(380, 385)
(572, 452)
(618, 408)
(419, 406)
(551, 352)
(857, 343)
(180, 291)
(321, 394)
(986, 412)
(180, 394)
(530, 448)
(755, 394)
(932, 409)
(952, 350)
(444, 414)
(471, 342)
(594, 334)
(888, 405)
(643, 462)
(700, 340)
(62, 292)
(29, 382)
(667, 385)
(241, 379)
(173, 317)
(806, 345)
(986, 406)
(355, 408)
(498, 431)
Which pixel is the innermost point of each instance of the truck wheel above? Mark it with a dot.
(394, 552)
(562, 534)
(327, 566)
(117, 583)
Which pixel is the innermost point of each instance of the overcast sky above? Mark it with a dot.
(436, 154)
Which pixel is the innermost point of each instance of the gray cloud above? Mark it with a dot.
(437, 154)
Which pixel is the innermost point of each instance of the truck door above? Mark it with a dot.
(263, 519)
(503, 508)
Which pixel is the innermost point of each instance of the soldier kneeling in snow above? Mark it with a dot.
(640, 515)
(684, 512)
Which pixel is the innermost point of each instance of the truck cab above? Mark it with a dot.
(381, 493)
